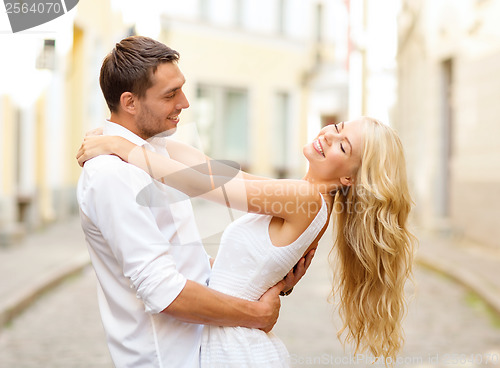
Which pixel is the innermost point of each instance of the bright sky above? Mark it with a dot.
(19, 52)
(145, 14)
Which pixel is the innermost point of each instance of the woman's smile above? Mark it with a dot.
(318, 147)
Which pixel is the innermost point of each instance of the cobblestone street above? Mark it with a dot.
(385, 113)
(446, 327)
(62, 329)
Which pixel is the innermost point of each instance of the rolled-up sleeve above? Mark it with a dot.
(131, 232)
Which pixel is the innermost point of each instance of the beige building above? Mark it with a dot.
(372, 58)
(44, 113)
(262, 76)
(449, 88)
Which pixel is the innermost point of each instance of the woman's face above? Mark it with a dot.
(335, 155)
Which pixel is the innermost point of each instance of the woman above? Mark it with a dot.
(357, 170)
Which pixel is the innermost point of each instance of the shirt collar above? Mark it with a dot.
(157, 143)
(111, 128)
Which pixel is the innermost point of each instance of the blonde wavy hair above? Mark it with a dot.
(373, 250)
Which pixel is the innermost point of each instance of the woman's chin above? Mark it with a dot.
(306, 151)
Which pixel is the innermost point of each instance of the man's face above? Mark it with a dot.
(159, 109)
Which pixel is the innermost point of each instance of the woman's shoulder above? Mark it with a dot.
(312, 218)
(307, 207)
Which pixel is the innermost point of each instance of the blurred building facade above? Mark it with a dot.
(371, 58)
(50, 97)
(262, 76)
(449, 87)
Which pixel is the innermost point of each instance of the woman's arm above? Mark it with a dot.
(98, 145)
(288, 199)
(193, 157)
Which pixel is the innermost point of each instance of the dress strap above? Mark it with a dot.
(316, 225)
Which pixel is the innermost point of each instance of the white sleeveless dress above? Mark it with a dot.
(246, 266)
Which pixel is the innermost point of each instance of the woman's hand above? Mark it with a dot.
(96, 131)
(94, 145)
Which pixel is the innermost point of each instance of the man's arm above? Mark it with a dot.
(155, 278)
(199, 304)
(297, 272)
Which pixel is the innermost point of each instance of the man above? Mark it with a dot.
(152, 288)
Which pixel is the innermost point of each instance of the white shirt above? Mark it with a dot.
(142, 255)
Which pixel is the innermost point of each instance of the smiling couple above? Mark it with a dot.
(163, 301)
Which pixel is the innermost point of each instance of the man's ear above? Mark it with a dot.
(128, 102)
(346, 181)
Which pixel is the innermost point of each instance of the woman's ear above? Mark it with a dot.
(128, 102)
(346, 181)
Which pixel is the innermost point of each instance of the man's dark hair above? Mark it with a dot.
(130, 66)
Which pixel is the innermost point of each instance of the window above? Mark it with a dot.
(319, 22)
(223, 122)
(281, 16)
(238, 13)
(47, 57)
(280, 138)
(204, 10)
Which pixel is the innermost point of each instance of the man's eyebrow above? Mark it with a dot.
(170, 90)
(173, 89)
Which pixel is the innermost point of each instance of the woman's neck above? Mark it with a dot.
(324, 187)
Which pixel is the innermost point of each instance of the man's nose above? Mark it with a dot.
(183, 102)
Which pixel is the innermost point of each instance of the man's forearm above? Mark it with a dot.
(199, 304)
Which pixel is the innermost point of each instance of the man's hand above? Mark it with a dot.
(299, 270)
(270, 302)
